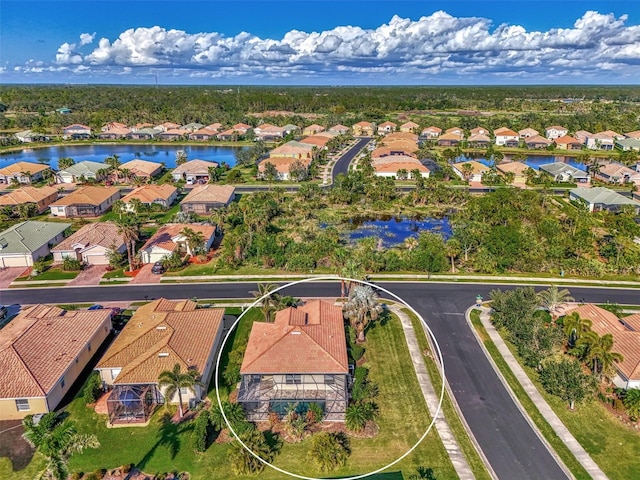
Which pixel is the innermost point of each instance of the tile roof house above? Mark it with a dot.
(478, 140)
(479, 131)
(174, 134)
(25, 242)
(145, 133)
(618, 173)
(449, 140)
(339, 129)
(293, 149)
(115, 133)
(318, 141)
(110, 125)
(396, 136)
(163, 127)
(193, 171)
(363, 129)
(29, 136)
(23, 172)
(635, 134)
(477, 169)
(431, 132)
(41, 197)
(595, 141)
(312, 130)
(76, 131)
(389, 166)
(87, 201)
(506, 137)
(170, 238)
(90, 244)
(601, 198)
(519, 169)
(555, 131)
(41, 357)
(527, 132)
(150, 194)
(563, 172)
(299, 358)
(615, 135)
(142, 168)
(204, 134)
(386, 127)
(159, 335)
(537, 142)
(627, 144)
(409, 127)
(269, 132)
(456, 131)
(567, 142)
(203, 199)
(393, 149)
(626, 340)
(283, 166)
(78, 171)
(192, 127)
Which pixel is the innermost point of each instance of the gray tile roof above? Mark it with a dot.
(27, 237)
(601, 195)
(559, 168)
(85, 168)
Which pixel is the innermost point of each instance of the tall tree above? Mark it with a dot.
(266, 304)
(175, 380)
(65, 162)
(599, 353)
(195, 240)
(362, 309)
(575, 327)
(56, 440)
(452, 248)
(129, 228)
(553, 297)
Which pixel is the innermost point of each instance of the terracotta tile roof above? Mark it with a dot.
(143, 125)
(214, 126)
(226, 133)
(633, 322)
(478, 137)
(555, 127)
(393, 159)
(363, 124)
(27, 195)
(309, 339)
(19, 167)
(528, 132)
(141, 168)
(117, 130)
(161, 334)
(626, 341)
(291, 148)
(168, 125)
(454, 130)
(87, 196)
(566, 139)
(283, 164)
(401, 143)
(37, 347)
(537, 139)
(241, 127)
(199, 167)
(387, 124)
(76, 126)
(386, 151)
(315, 127)
(450, 136)
(411, 137)
(175, 131)
(519, 168)
(151, 193)
(327, 134)
(339, 128)
(317, 140)
(616, 169)
(506, 132)
(393, 167)
(409, 125)
(204, 131)
(634, 134)
(210, 193)
(432, 129)
(104, 234)
(477, 167)
(163, 237)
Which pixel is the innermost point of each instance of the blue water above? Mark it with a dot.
(394, 231)
(98, 153)
(534, 161)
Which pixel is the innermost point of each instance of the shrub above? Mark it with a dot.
(231, 374)
(329, 451)
(314, 413)
(93, 388)
(273, 418)
(200, 432)
(71, 264)
(358, 414)
(357, 351)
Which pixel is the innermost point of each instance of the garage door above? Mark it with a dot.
(15, 261)
(96, 259)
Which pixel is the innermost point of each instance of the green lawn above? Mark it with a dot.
(162, 447)
(549, 434)
(52, 273)
(458, 429)
(612, 445)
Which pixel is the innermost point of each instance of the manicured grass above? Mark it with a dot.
(549, 434)
(52, 273)
(612, 445)
(118, 273)
(162, 446)
(459, 431)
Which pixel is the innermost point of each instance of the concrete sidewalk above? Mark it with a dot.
(550, 416)
(432, 398)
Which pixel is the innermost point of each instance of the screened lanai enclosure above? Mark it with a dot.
(262, 394)
(132, 403)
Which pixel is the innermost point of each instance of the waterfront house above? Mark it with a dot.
(81, 171)
(617, 173)
(519, 170)
(537, 142)
(142, 168)
(431, 133)
(527, 132)
(476, 170)
(23, 172)
(505, 137)
(76, 131)
(409, 127)
(386, 127)
(478, 140)
(567, 142)
(563, 172)
(283, 166)
(193, 171)
(601, 198)
(204, 199)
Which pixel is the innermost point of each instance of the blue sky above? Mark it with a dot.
(320, 42)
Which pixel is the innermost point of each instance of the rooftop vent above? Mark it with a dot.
(161, 327)
(163, 354)
(295, 333)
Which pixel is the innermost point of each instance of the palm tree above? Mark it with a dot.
(467, 170)
(175, 380)
(452, 249)
(266, 304)
(575, 327)
(631, 401)
(102, 174)
(56, 440)
(130, 230)
(552, 298)
(352, 270)
(48, 176)
(114, 163)
(195, 240)
(65, 162)
(242, 462)
(598, 352)
(361, 309)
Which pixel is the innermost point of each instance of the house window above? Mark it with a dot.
(22, 404)
(184, 391)
(293, 379)
(89, 346)
(115, 372)
(329, 380)
(62, 383)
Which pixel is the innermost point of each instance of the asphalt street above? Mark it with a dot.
(342, 165)
(506, 438)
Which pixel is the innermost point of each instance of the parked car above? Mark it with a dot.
(95, 307)
(3, 312)
(158, 268)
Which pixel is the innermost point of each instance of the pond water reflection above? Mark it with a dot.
(394, 230)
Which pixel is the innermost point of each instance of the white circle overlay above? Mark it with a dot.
(325, 279)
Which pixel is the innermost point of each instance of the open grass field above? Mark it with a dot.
(162, 446)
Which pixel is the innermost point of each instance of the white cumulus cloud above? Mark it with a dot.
(436, 45)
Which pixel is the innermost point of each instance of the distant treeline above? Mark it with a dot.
(580, 107)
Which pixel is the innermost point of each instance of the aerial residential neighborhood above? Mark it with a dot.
(329, 240)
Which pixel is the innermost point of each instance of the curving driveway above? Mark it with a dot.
(506, 438)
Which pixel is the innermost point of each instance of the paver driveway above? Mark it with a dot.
(9, 274)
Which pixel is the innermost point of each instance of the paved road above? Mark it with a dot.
(509, 443)
(342, 165)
